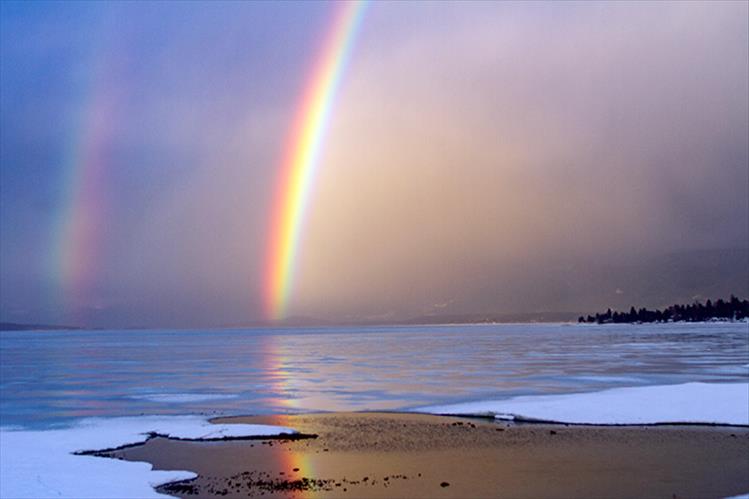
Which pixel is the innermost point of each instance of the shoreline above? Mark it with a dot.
(32, 328)
(391, 454)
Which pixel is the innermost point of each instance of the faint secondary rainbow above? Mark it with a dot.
(82, 217)
(301, 159)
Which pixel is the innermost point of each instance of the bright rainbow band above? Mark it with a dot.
(302, 157)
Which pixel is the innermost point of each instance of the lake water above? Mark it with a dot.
(50, 378)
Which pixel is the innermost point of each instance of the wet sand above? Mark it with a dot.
(407, 455)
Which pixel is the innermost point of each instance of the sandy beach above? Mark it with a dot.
(412, 455)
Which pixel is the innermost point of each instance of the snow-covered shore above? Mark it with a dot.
(44, 464)
(708, 403)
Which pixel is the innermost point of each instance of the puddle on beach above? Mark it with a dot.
(396, 455)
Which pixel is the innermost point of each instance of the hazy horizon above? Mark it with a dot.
(505, 157)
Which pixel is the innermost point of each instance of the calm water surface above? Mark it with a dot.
(52, 377)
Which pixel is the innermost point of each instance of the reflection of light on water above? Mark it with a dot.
(46, 377)
(300, 378)
(290, 459)
(275, 362)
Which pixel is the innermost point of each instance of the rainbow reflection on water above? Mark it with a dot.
(51, 378)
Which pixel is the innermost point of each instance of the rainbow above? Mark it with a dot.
(301, 159)
(79, 230)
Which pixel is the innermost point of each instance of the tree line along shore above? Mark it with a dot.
(730, 310)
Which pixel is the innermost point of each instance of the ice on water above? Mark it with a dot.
(182, 398)
(48, 382)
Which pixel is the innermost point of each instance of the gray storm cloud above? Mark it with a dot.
(482, 157)
(481, 154)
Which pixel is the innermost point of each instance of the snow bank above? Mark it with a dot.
(725, 403)
(42, 464)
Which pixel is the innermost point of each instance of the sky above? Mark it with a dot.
(478, 158)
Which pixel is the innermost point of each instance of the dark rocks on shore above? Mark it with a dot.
(262, 482)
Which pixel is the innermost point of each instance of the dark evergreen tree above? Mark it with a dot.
(732, 309)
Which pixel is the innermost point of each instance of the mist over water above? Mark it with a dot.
(51, 378)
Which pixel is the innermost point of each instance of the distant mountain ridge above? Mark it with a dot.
(12, 326)
(559, 291)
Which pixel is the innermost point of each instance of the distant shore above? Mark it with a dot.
(568, 320)
(414, 455)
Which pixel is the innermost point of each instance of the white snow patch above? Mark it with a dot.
(181, 398)
(42, 464)
(741, 496)
(718, 403)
